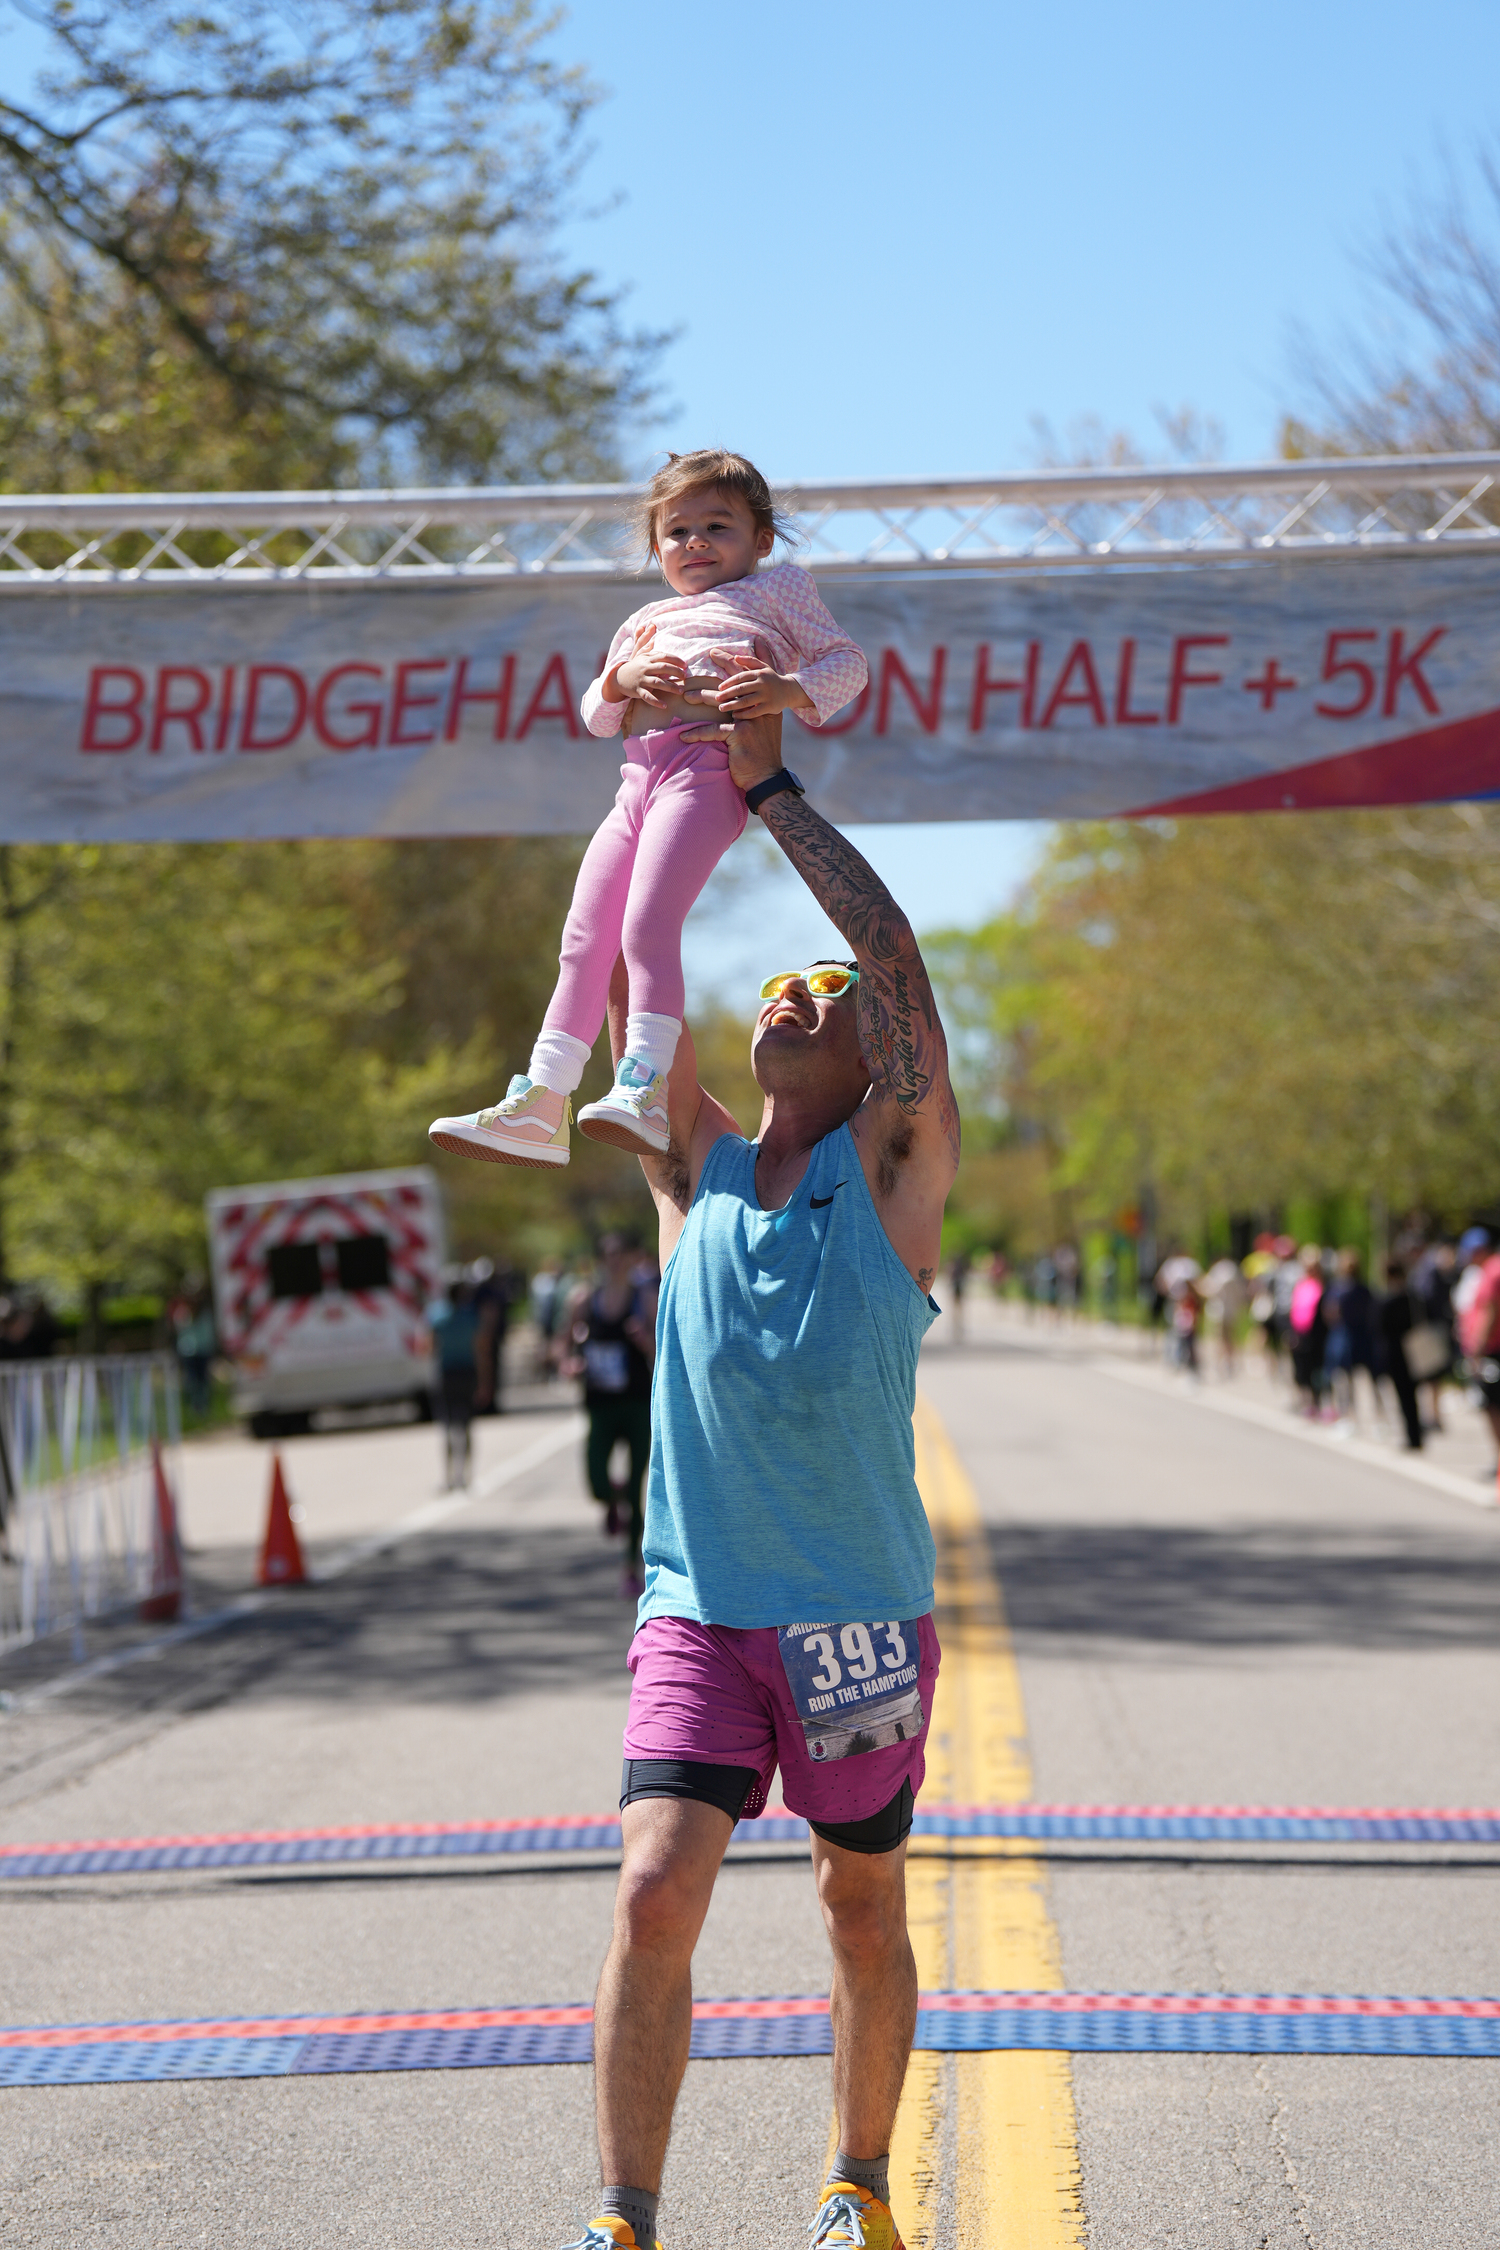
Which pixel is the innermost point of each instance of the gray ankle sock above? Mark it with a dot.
(872, 2173)
(637, 2208)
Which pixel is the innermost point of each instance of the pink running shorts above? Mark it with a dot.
(719, 1696)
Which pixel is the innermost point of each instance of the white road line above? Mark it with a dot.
(347, 1558)
(1287, 1425)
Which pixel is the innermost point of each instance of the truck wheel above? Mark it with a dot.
(422, 1400)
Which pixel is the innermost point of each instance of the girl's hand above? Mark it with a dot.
(754, 688)
(643, 677)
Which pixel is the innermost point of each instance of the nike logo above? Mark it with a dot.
(821, 1202)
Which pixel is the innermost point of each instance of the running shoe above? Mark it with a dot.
(633, 1114)
(529, 1127)
(850, 2218)
(609, 2232)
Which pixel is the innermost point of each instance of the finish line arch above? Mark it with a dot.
(1287, 635)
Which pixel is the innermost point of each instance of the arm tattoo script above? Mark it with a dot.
(899, 1030)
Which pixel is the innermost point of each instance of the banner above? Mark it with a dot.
(435, 708)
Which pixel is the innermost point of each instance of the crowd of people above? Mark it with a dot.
(1434, 1322)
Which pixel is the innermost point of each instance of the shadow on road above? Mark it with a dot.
(1247, 1585)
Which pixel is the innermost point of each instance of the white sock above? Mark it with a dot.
(557, 1061)
(653, 1040)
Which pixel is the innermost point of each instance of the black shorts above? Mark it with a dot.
(727, 1787)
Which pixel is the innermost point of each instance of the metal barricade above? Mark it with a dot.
(77, 1486)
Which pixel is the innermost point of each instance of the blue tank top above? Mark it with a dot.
(782, 1463)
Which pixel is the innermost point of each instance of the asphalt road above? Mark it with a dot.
(1204, 1609)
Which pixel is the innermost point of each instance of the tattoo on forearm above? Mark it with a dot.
(899, 1029)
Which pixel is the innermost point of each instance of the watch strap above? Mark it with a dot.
(773, 784)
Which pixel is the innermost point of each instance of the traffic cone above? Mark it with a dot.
(164, 1601)
(281, 1561)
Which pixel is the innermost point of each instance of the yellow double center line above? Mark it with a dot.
(1004, 2123)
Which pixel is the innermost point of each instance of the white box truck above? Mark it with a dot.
(321, 1288)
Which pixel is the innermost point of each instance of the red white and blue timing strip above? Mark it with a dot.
(600, 1832)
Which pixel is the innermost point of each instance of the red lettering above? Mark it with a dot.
(463, 693)
(928, 708)
(1399, 667)
(97, 710)
(563, 709)
(1334, 665)
(984, 686)
(371, 713)
(403, 701)
(1080, 658)
(192, 713)
(226, 708)
(258, 672)
(851, 717)
(1182, 678)
(1124, 678)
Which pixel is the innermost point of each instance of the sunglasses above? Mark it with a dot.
(825, 983)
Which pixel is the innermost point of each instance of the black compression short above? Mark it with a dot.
(727, 1787)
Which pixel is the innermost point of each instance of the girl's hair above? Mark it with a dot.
(709, 469)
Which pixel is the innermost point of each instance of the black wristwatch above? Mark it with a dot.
(774, 783)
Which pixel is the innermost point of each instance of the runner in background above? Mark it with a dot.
(613, 1337)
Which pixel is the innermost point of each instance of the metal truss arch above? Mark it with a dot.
(1045, 520)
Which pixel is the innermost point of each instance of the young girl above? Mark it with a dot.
(709, 520)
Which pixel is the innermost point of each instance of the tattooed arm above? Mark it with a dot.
(907, 1127)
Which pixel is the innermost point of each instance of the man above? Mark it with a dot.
(782, 1492)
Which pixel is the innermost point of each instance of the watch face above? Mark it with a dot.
(797, 783)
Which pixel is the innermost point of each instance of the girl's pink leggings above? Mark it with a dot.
(676, 815)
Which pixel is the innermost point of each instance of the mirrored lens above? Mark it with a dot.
(774, 987)
(826, 983)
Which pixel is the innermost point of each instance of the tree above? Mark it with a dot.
(1431, 384)
(265, 245)
(1243, 1011)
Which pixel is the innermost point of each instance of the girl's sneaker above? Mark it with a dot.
(529, 1127)
(633, 1114)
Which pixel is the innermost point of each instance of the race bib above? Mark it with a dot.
(608, 1367)
(855, 1686)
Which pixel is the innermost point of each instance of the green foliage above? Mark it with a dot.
(183, 1017)
(1245, 1012)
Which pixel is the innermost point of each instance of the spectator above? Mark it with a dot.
(1352, 1335)
(958, 1281)
(454, 1322)
(614, 1337)
(495, 1291)
(1187, 1313)
(1308, 1324)
(1431, 1284)
(1396, 1317)
(1066, 1262)
(196, 1340)
(1225, 1295)
(1476, 1306)
(547, 1300)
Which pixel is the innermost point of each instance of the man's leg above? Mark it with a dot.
(643, 2009)
(874, 1999)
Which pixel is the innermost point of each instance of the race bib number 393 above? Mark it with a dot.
(855, 1686)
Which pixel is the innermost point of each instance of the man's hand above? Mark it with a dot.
(645, 678)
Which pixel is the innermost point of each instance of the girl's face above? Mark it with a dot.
(706, 538)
